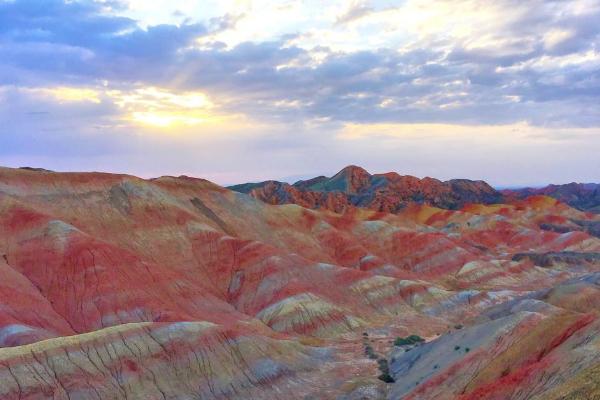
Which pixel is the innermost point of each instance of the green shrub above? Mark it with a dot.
(416, 338)
(387, 378)
(412, 339)
(385, 371)
(369, 352)
(401, 342)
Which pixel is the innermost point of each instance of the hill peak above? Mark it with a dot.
(352, 170)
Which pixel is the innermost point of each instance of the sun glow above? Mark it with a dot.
(162, 108)
(167, 119)
(148, 106)
(154, 97)
(70, 94)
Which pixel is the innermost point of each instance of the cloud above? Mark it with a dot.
(78, 41)
(356, 10)
(292, 75)
(462, 76)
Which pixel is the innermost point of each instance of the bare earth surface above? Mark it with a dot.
(115, 287)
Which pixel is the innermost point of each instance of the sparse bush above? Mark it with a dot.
(412, 339)
(416, 338)
(369, 352)
(387, 378)
(467, 349)
(456, 348)
(401, 342)
(458, 326)
(385, 371)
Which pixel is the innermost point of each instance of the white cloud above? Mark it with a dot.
(556, 36)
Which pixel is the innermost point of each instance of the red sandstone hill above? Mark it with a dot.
(118, 287)
(390, 192)
(584, 196)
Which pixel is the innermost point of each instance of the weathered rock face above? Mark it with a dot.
(156, 360)
(353, 186)
(175, 288)
(540, 346)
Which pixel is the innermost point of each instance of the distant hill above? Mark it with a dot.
(583, 196)
(389, 192)
(392, 192)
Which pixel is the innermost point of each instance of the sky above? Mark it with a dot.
(246, 90)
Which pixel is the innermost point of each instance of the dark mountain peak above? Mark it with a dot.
(248, 187)
(305, 184)
(351, 179)
(33, 169)
(353, 170)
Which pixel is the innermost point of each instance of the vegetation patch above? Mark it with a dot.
(385, 371)
(409, 340)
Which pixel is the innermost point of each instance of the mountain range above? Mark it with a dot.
(583, 196)
(391, 192)
(353, 287)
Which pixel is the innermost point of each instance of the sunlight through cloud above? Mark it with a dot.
(162, 108)
(69, 94)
